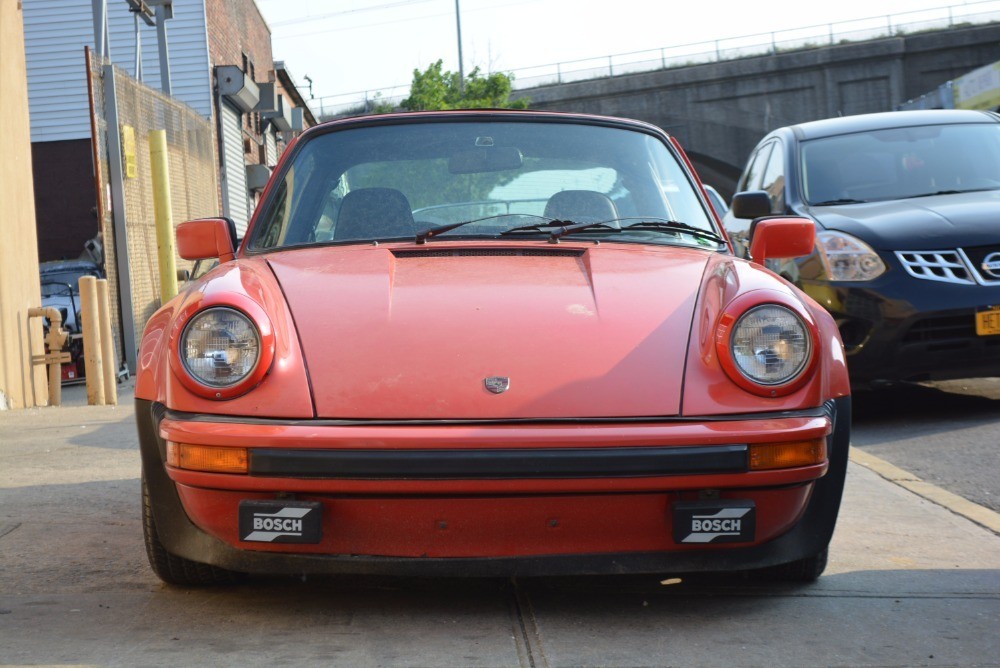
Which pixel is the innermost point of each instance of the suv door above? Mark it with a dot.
(751, 179)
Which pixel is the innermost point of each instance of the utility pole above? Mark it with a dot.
(461, 68)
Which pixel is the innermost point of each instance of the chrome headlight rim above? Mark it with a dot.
(799, 368)
(742, 304)
(246, 307)
(208, 312)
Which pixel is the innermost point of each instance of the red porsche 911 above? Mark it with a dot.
(489, 343)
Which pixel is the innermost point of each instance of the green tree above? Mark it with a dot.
(435, 88)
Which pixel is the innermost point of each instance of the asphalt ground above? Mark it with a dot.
(914, 580)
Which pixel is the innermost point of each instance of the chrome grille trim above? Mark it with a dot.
(947, 266)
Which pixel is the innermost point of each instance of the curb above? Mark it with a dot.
(974, 512)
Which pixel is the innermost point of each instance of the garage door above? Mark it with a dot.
(234, 172)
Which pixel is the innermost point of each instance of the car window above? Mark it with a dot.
(773, 179)
(752, 174)
(899, 163)
(389, 182)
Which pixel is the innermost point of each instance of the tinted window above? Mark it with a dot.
(773, 179)
(901, 162)
(751, 177)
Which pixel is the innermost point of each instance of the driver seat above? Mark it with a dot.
(581, 206)
(374, 213)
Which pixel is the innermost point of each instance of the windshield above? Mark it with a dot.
(392, 182)
(901, 162)
(63, 282)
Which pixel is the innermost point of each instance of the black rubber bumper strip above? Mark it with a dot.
(521, 463)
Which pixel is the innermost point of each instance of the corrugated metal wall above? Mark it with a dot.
(55, 32)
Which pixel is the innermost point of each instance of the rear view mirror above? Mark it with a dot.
(486, 159)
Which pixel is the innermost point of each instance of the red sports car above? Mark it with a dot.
(489, 343)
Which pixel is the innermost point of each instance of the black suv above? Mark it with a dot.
(907, 258)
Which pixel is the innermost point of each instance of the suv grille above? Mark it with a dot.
(947, 266)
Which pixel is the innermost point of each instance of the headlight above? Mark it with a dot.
(847, 258)
(770, 345)
(220, 347)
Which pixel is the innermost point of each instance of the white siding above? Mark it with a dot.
(55, 32)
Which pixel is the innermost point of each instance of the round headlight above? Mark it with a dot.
(220, 347)
(770, 345)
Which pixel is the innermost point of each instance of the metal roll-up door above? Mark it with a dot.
(271, 147)
(234, 188)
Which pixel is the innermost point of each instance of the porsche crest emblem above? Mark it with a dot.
(497, 384)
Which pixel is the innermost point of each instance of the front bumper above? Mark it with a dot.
(549, 501)
(899, 328)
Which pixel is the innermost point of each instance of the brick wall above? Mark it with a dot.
(237, 29)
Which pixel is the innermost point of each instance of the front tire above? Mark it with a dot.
(169, 567)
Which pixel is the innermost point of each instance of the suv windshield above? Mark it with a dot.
(391, 182)
(901, 162)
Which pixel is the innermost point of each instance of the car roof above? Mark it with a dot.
(489, 114)
(66, 265)
(889, 119)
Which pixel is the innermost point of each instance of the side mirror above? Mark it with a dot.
(751, 204)
(206, 238)
(781, 238)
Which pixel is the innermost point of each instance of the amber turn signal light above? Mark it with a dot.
(766, 456)
(209, 458)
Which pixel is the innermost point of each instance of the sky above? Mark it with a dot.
(350, 47)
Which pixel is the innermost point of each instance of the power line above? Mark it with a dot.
(388, 22)
(321, 17)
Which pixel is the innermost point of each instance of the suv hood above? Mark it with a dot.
(922, 223)
(407, 333)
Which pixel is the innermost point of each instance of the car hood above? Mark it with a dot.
(924, 223)
(596, 331)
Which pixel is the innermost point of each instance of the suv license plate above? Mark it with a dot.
(723, 521)
(988, 321)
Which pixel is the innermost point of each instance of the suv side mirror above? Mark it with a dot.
(206, 238)
(781, 238)
(751, 204)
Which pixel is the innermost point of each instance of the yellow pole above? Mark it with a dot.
(91, 341)
(164, 215)
(107, 344)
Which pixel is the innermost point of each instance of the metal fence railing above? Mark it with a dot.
(730, 48)
(194, 191)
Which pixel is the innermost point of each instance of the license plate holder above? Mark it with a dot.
(988, 321)
(718, 521)
(281, 521)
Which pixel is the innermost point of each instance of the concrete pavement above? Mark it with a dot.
(910, 583)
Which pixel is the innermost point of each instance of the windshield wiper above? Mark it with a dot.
(432, 232)
(945, 192)
(675, 226)
(672, 226)
(844, 200)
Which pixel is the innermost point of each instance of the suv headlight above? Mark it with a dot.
(847, 258)
(220, 347)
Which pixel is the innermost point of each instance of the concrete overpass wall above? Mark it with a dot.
(719, 111)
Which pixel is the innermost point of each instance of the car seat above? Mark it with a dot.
(374, 213)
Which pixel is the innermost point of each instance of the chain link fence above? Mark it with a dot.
(194, 190)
